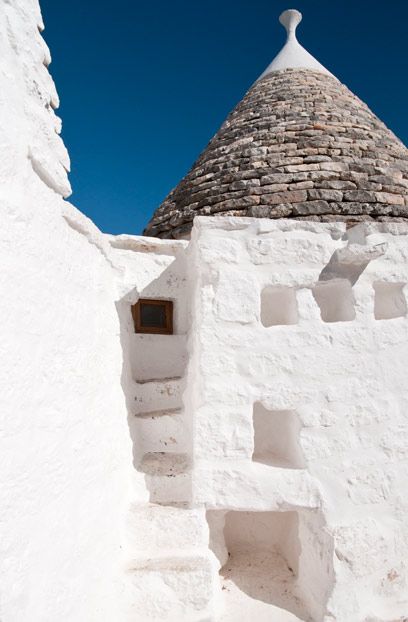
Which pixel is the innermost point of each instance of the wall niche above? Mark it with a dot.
(261, 562)
(278, 306)
(276, 438)
(389, 300)
(335, 300)
(273, 565)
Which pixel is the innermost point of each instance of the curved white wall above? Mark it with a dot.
(65, 448)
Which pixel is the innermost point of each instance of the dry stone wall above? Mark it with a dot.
(299, 145)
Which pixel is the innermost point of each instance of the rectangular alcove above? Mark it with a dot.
(259, 576)
(276, 438)
(278, 306)
(335, 300)
(272, 563)
(389, 300)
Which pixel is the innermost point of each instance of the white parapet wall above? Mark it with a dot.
(298, 392)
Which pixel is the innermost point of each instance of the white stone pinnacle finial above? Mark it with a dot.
(292, 55)
(290, 19)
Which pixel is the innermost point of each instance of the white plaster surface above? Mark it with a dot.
(157, 357)
(241, 606)
(29, 132)
(344, 376)
(292, 55)
(65, 450)
(135, 468)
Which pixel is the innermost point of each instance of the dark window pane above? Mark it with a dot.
(153, 315)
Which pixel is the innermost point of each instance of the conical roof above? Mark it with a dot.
(299, 145)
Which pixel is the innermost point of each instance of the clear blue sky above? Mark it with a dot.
(145, 85)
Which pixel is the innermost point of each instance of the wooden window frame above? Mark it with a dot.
(157, 330)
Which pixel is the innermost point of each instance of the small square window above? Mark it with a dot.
(153, 316)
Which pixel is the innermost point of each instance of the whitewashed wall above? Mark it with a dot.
(283, 330)
(65, 448)
(310, 322)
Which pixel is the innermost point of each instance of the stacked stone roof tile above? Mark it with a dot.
(299, 145)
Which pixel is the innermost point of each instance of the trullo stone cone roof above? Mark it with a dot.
(299, 145)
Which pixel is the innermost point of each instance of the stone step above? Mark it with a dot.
(158, 395)
(165, 464)
(159, 380)
(161, 530)
(177, 561)
(163, 433)
(156, 414)
(178, 588)
(168, 476)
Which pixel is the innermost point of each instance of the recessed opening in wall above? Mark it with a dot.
(272, 563)
(335, 299)
(153, 316)
(389, 300)
(278, 306)
(259, 576)
(276, 438)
